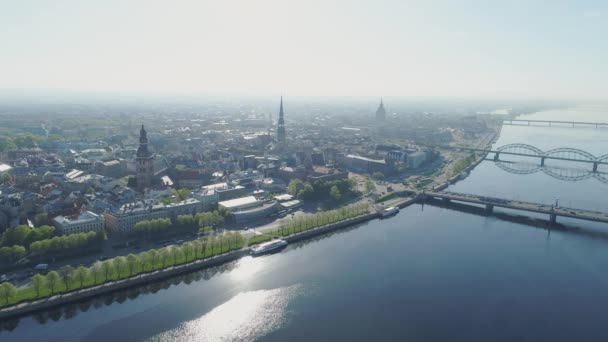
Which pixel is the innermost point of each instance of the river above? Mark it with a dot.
(427, 274)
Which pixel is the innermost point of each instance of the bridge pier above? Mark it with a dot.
(496, 156)
(542, 161)
(594, 167)
(489, 208)
(552, 218)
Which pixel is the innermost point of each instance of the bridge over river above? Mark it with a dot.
(525, 122)
(491, 202)
(563, 153)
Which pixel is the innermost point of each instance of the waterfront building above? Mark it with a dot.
(249, 208)
(81, 223)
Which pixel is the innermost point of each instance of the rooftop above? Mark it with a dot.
(237, 202)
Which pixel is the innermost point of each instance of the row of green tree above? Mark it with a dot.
(67, 243)
(150, 227)
(321, 190)
(24, 235)
(20, 141)
(12, 253)
(186, 222)
(306, 222)
(57, 245)
(70, 279)
(301, 223)
(462, 164)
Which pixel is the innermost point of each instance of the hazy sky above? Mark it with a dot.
(308, 47)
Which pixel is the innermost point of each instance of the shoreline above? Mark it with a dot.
(29, 307)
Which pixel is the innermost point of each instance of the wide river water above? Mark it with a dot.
(427, 274)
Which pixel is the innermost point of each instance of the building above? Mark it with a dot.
(225, 191)
(84, 222)
(416, 159)
(207, 197)
(365, 165)
(281, 138)
(380, 112)
(144, 162)
(249, 208)
(124, 218)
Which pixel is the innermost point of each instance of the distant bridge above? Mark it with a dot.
(549, 123)
(491, 202)
(562, 153)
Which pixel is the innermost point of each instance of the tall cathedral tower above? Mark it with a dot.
(380, 112)
(144, 162)
(281, 128)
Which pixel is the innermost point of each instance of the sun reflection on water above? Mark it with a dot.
(245, 317)
(247, 267)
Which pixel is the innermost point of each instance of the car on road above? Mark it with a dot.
(41, 267)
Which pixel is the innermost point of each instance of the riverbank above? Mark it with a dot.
(29, 307)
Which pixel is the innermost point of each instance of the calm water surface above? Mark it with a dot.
(427, 274)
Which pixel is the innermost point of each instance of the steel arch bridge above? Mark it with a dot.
(563, 153)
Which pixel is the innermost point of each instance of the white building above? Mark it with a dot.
(249, 208)
(207, 197)
(85, 222)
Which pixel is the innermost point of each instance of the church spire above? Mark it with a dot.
(281, 118)
(381, 112)
(281, 126)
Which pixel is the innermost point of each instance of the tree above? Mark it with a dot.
(96, 271)
(164, 255)
(66, 272)
(152, 255)
(175, 253)
(81, 274)
(52, 278)
(41, 218)
(11, 254)
(335, 194)
(38, 283)
(120, 263)
(7, 292)
(196, 246)
(295, 185)
(181, 194)
(307, 192)
(4, 177)
(187, 248)
(107, 267)
(378, 175)
(370, 186)
(6, 144)
(131, 263)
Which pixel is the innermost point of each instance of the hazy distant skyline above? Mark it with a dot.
(551, 49)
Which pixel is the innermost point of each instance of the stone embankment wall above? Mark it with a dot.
(146, 278)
